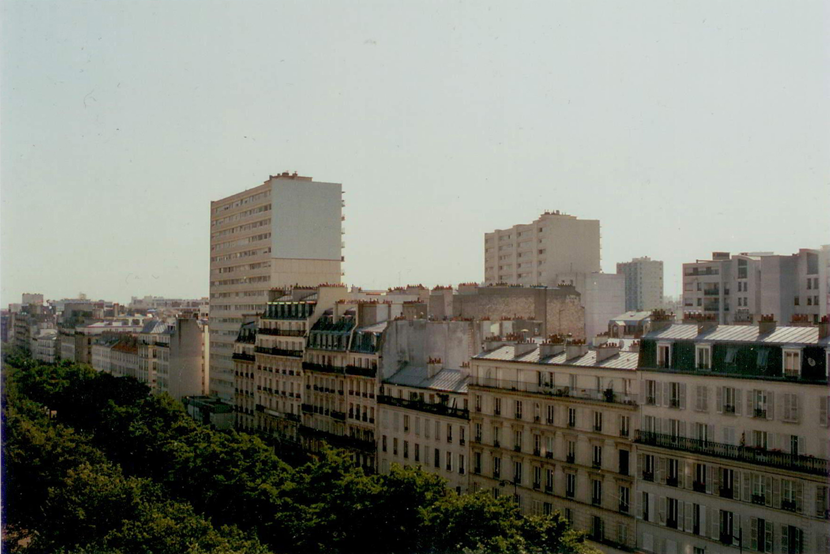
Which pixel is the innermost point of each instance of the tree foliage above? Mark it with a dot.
(95, 464)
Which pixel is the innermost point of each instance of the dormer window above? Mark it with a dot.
(663, 354)
(703, 356)
(792, 362)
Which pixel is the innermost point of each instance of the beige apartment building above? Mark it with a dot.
(425, 421)
(552, 427)
(124, 357)
(285, 232)
(643, 284)
(733, 441)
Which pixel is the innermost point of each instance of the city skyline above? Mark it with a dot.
(134, 123)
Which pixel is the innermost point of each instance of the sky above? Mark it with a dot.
(684, 127)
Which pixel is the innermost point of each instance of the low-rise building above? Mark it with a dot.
(44, 346)
(124, 357)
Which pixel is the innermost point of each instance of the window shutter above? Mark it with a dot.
(661, 464)
(682, 396)
(768, 537)
(736, 486)
(681, 514)
(710, 478)
(801, 445)
(750, 403)
(662, 510)
(705, 398)
(682, 429)
(699, 398)
(770, 404)
(785, 539)
(710, 432)
(738, 401)
(753, 533)
(687, 524)
(822, 411)
(747, 492)
(642, 392)
(796, 407)
(638, 505)
(799, 496)
(787, 407)
(768, 490)
(703, 530)
(719, 400)
(688, 472)
(641, 464)
(714, 518)
(657, 390)
(651, 506)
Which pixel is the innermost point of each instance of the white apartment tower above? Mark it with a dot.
(285, 232)
(538, 252)
(643, 284)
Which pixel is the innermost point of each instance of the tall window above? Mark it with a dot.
(517, 472)
(704, 357)
(792, 363)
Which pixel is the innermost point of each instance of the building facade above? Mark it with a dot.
(285, 232)
(170, 357)
(552, 426)
(732, 444)
(643, 284)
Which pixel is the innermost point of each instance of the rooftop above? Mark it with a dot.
(621, 360)
(448, 380)
(740, 333)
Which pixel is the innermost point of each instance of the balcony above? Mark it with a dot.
(648, 476)
(726, 538)
(243, 357)
(537, 452)
(597, 395)
(308, 408)
(361, 371)
(517, 447)
(598, 428)
(697, 486)
(724, 492)
(729, 409)
(671, 523)
(781, 460)
(596, 464)
(280, 332)
(788, 505)
(672, 481)
(759, 499)
(279, 352)
(549, 454)
(760, 412)
(419, 405)
(711, 292)
(324, 368)
(624, 507)
(570, 458)
(596, 501)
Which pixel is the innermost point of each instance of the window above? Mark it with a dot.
(537, 477)
(550, 415)
(549, 480)
(478, 402)
(517, 441)
(517, 472)
(791, 407)
(596, 459)
(417, 452)
(383, 443)
(449, 433)
(648, 467)
(598, 421)
(497, 406)
(571, 417)
(571, 452)
(406, 449)
(496, 435)
(673, 472)
(570, 485)
(395, 446)
(597, 528)
(726, 527)
(703, 357)
(449, 461)
(496, 467)
(405, 423)
(624, 456)
(791, 495)
(477, 432)
(760, 535)
(731, 354)
(437, 458)
(672, 516)
(625, 425)
(625, 499)
(663, 355)
(792, 363)
(518, 409)
(651, 392)
(792, 539)
(596, 492)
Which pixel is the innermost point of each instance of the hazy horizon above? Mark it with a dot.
(685, 128)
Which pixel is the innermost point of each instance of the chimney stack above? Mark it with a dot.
(607, 350)
(766, 324)
(434, 365)
(824, 328)
(660, 320)
(575, 349)
(554, 346)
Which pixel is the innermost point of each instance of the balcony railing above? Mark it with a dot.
(570, 458)
(598, 395)
(697, 486)
(279, 352)
(280, 332)
(672, 481)
(361, 371)
(326, 368)
(759, 499)
(725, 492)
(437, 409)
(242, 356)
(761, 412)
(788, 505)
(792, 462)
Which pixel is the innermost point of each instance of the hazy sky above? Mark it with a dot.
(684, 127)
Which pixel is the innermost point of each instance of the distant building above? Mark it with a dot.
(740, 288)
(32, 298)
(643, 284)
(44, 346)
(124, 357)
(285, 232)
(630, 325)
(556, 249)
(170, 357)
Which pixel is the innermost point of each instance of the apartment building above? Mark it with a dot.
(552, 426)
(244, 358)
(425, 421)
(124, 357)
(44, 346)
(643, 284)
(740, 288)
(285, 232)
(732, 444)
(102, 352)
(536, 253)
(170, 357)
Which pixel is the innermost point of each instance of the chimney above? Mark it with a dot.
(607, 350)
(824, 328)
(575, 349)
(704, 322)
(599, 340)
(554, 346)
(434, 365)
(660, 320)
(766, 324)
(523, 347)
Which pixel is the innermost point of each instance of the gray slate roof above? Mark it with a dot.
(449, 380)
(623, 360)
(739, 333)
